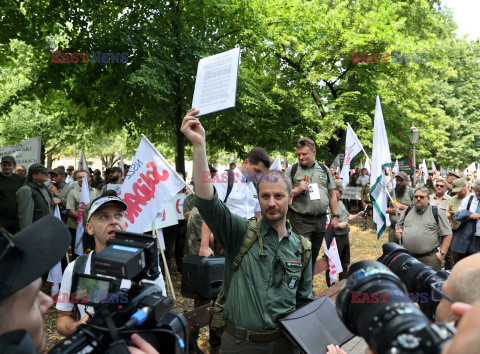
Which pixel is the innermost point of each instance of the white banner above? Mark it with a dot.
(352, 147)
(334, 264)
(55, 274)
(149, 184)
(396, 169)
(82, 163)
(276, 165)
(25, 153)
(84, 200)
(434, 168)
(380, 159)
(178, 204)
(471, 167)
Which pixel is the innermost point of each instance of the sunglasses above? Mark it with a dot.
(440, 186)
(69, 169)
(419, 196)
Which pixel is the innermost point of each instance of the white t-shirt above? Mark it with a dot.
(363, 180)
(63, 301)
(243, 199)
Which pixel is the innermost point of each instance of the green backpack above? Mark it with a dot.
(219, 321)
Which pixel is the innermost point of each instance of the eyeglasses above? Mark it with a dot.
(419, 196)
(279, 272)
(69, 169)
(6, 242)
(436, 287)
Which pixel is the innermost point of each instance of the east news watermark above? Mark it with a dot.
(397, 57)
(97, 57)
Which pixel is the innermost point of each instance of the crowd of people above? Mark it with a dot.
(269, 225)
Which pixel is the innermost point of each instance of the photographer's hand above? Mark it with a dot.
(141, 346)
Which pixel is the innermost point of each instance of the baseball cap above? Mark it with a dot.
(38, 168)
(457, 185)
(401, 174)
(31, 253)
(339, 185)
(453, 173)
(8, 159)
(91, 208)
(58, 171)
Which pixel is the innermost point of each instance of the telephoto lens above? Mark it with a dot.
(417, 277)
(374, 304)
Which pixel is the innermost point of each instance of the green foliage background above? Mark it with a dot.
(296, 76)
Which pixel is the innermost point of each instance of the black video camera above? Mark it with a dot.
(419, 278)
(374, 304)
(120, 312)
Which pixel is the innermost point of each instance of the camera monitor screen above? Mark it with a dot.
(94, 290)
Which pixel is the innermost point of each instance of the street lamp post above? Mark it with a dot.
(413, 140)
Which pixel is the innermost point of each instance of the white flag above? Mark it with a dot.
(82, 163)
(380, 159)
(396, 169)
(55, 274)
(478, 167)
(84, 200)
(368, 165)
(276, 165)
(434, 168)
(471, 167)
(334, 263)
(423, 166)
(121, 165)
(361, 165)
(336, 163)
(352, 147)
(285, 163)
(152, 184)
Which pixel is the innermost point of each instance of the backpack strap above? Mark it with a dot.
(252, 234)
(469, 202)
(408, 210)
(326, 171)
(305, 251)
(231, 179)
(293, 171)
(435, 213)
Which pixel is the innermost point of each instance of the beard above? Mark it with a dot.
(114, 179)
(273, 219)
(400, 190)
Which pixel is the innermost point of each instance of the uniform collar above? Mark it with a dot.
(266, 228)
(239, 173)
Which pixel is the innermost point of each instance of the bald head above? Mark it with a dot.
(463, 285)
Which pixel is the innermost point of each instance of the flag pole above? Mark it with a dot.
(169, 280)
(395, 206)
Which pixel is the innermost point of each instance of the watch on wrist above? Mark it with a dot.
(442, 253)
(335, 216)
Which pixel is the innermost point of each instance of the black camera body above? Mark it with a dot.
(374, 304)
(417, 276)
(119, 312)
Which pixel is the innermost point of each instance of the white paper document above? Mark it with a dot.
(314, 191)
(216, 82)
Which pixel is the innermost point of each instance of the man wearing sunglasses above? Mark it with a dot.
(426, 236)
(440, 197)
(273, 279)
(102, 217)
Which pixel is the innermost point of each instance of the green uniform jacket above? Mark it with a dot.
(26, 205)
(265, 287)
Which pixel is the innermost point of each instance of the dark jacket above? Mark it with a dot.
(464, 235)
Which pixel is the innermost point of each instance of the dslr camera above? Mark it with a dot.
(376, 304)
(142, 309)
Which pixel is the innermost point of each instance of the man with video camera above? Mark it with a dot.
(102, 218)
(272, 278)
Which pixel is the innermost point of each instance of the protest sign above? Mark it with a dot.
(216, 82)
(164, 218)
(177, 202)
(84, 200)
(352, 193)
(25, 153)
(149, 184)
